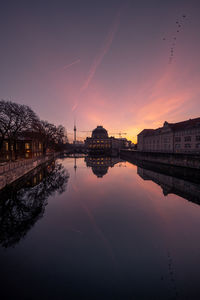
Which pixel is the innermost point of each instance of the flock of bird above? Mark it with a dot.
(179, 24)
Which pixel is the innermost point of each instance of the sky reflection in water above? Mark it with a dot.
(112, 236)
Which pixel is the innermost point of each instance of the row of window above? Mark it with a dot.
(187, 138)
(178, 146)
(177, 139)
(27, 146)
(181, 133)
(100, 146)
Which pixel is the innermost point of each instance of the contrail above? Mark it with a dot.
(73, 63)
(105, 48)
(74, 106)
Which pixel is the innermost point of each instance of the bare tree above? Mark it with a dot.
(14, 120)
(53, 137)
(47, 132)
(20, 120)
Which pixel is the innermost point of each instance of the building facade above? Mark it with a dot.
(100, 143)
(182, 137)
(25, 148)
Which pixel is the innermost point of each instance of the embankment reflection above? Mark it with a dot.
(23, 202)
(185, 183)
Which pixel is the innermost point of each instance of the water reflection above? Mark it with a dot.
(101, 164)
(173, 180)
(23, 202)
(108, 238)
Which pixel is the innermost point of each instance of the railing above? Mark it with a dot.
(10, 166)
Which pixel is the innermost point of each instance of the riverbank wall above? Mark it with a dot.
(173, 159)
(9, 172)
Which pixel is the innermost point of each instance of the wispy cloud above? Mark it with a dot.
(73, 63)
(104, 49)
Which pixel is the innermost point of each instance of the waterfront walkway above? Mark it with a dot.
(11, 171)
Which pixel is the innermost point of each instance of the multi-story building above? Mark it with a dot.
(182, 137)
(25, 148)
(100, 143)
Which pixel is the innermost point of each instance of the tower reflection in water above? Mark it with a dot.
(23, 203)
(101, 164)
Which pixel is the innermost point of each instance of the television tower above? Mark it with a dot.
(75, 132)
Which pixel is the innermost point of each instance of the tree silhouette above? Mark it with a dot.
(23, 203)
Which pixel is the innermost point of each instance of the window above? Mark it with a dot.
(27, 146)
(177, 146)
(187, 138)
(40, 146)
(197, 137)
(187, 145)
(198, 145)
(177, 139)
(6, 146)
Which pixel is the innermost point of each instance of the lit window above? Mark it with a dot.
(27, 145)
(6, 145)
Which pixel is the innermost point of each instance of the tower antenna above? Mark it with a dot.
(74, 131)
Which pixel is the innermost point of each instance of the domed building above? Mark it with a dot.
(101, 144)
(99, 133)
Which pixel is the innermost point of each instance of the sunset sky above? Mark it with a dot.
(102, 62)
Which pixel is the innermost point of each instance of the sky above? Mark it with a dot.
(123, 64)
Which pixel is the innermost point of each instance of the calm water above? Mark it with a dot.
(79, 229)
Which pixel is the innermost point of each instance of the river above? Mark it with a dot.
(100, 228)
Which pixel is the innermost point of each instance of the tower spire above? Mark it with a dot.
(74, 131)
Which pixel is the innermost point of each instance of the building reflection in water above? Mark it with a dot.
(186, 187)
(101, 164)
(23, 203)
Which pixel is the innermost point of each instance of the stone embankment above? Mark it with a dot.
(174, 159)
(9, 172)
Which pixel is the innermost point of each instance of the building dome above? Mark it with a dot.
(99, 133)
(100, 171)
